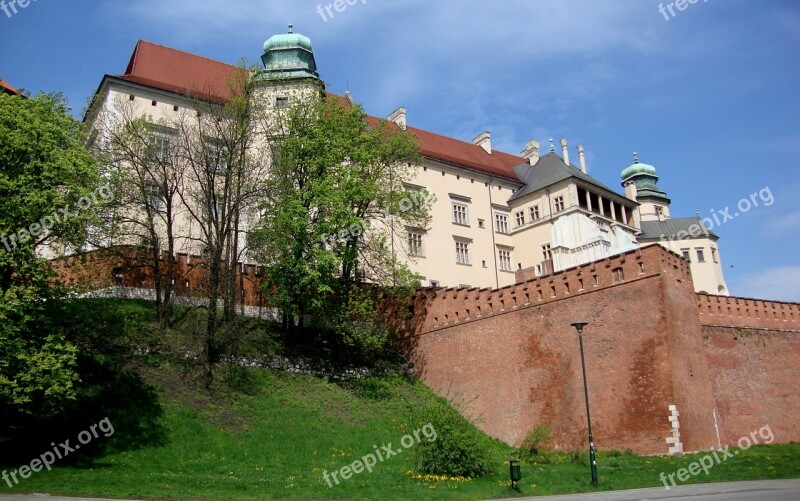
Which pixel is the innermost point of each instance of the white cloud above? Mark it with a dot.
(781, 225)
(780, 283)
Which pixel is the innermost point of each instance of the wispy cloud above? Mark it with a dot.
(781, 225)
(780, 283)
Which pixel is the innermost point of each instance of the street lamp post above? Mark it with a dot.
(592, 456)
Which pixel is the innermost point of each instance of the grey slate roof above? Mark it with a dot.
(551, 169)
(670, 228)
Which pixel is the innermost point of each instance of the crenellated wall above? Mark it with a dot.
(753, 352)
(129, 267)
(668, 369)
(655, 352)
(742, 312)
(449, 307)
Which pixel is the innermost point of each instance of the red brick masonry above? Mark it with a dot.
(511, 358)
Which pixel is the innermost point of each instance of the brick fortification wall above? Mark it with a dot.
(130, 269)
(668, 369)
(753, 353)
(511, 357)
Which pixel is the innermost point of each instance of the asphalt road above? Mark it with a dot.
(762, 490)
(767, 490)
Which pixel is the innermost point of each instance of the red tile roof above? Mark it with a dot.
(8, 88)
(180, 72)
(467, 154)
(184, 73)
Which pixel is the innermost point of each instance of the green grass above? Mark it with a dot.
(261, 434)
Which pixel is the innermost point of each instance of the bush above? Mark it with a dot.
(538, 436)
(374, 388)
(459, 449)
(578, 457)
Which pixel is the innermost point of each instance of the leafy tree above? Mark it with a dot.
(48, 192)
(336, 213)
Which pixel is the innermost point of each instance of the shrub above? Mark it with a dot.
(579, 457)
(536, 437)
(374, 388)
(459, 449)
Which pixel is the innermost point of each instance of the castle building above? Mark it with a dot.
(495, 214)
(688, 236)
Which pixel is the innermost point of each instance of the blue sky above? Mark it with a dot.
(710, 96)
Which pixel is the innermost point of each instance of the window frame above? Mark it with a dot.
(701, 255)
(505, 259)
(463, 257)
(416, 243)
(559, 201)
(455, 213)
(501, 223)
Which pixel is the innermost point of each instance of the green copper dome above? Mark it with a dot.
(289, 55)
(638, 169)
(645, 178)
(288, 41)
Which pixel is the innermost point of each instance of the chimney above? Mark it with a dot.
(531, 151)
(399, 117)
(582, 158)
(484, 141)
(565, 150)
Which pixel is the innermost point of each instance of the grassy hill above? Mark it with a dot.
(267, 434)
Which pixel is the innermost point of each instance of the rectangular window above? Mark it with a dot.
(415, 244)
(462, 253)
(481, 223)
(701, 256)
(501, 223)
(558, 202)
(282, 102)
(520, 217)
(505, 260)
(215, 160)
(155, 198)
(160, 147)
(547, 252)
(714, 255)
(686, 254)
(535, 213)
(460, 214)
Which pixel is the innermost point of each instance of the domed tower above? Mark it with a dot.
(289, 56)
(641, 184)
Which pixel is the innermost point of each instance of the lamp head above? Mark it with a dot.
(579, 326)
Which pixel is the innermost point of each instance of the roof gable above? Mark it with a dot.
(676, 229)
(549, 170)
(177, 71)
(181, 72)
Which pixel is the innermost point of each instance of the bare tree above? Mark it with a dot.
(225, 164)
(140, 222)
